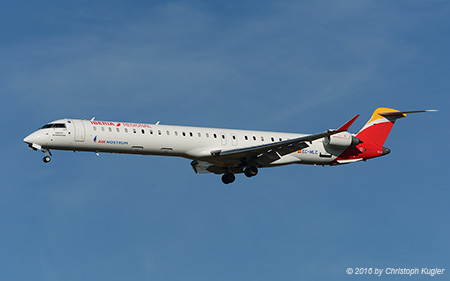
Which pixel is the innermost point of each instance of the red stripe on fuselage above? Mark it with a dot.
(361, 151)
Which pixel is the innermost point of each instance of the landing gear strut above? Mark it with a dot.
(251, 171)
(47, 158)
(228, 178)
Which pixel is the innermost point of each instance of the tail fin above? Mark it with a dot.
(379, 126)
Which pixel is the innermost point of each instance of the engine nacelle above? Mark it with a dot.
(343, 139)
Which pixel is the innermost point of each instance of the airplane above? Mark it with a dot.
(221, 151)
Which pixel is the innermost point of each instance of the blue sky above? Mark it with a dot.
(293, 66)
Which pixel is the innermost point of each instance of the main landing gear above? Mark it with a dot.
(250, 171)
(228, 178)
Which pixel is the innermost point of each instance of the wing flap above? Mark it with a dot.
(268, 157)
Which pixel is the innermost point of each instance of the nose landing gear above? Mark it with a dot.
(47, 153)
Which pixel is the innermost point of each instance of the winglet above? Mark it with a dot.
(347, 125)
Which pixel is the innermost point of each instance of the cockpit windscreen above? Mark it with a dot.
(54, 125)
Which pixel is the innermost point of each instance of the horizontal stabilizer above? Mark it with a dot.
(400, 114)
(380, 124)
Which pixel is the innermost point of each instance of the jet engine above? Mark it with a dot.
(342, 139)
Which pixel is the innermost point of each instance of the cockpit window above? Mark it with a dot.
(54, 125)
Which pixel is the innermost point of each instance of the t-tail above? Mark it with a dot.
(371, 138)
(379, 126)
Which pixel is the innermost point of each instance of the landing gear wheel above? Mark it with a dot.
(46, 159)
(251, 171)
(228, 178)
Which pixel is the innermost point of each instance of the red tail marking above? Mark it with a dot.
(377, 133)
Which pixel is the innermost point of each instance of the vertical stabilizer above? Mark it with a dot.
(379, 126)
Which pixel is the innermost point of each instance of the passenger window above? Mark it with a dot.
(109, 129)
(143, 132)
(234, 137)
(191, 134)
(223, 136)
(245, 137)
(151, 132)
(262, 138)
(159, 132)
(272, 139)
(207, 135)
(184, 134)
(176, 133)
(103, 129)
(95, 128)
(281, 139)
(215, 136)
(126, 130)
(167, 132)
(199, 135)
(134, 131)
(254, 138)
(117, 130)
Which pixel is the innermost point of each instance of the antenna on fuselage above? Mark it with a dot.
(157, 123)
(93, 118)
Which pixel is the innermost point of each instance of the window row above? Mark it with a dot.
(184, 134)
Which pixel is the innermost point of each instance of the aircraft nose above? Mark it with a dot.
(32, 138)
(386, 151)
(28, 139)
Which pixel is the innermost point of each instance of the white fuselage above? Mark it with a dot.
(221, 151)
(194, 143)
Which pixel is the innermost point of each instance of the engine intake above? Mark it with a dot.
(343, 139)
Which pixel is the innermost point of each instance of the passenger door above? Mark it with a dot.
(80, 131)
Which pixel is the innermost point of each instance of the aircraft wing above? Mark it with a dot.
(267, 153)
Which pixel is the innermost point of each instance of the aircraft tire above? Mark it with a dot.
(251, 171)
(46, 159)
(228, 178)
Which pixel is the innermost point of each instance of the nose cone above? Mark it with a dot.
(386, 151)
(35, 137)
(28, 139)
